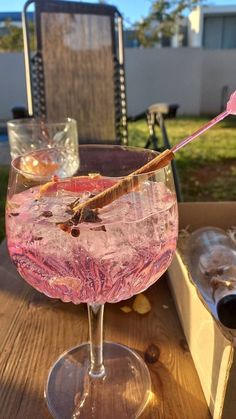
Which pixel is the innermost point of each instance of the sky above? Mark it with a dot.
(132, 10)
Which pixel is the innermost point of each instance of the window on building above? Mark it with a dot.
(219, 32)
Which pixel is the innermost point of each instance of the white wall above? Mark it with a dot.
(219, 70)
(192, 77)
(195, 25)
(12, 83)
(163, 75)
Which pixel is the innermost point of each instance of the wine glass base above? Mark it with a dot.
(122, 393)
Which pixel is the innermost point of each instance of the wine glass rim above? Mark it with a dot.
(31, 122)
(83, 146)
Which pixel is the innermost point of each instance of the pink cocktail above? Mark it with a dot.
(121, 254)
(118, 252)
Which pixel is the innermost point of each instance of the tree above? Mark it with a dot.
(11, 38)
(163, 18)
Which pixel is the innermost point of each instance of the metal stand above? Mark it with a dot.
(155, 117)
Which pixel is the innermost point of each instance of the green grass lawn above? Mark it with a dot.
(207, 167)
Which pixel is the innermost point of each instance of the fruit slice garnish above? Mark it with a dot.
(78, 184)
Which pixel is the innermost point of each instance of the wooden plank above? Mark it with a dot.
(35, 330)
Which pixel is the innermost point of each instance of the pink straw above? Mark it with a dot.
(230, 110)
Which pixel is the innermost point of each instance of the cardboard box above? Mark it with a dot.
(212, 346)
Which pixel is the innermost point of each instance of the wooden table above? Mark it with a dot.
(35, 330)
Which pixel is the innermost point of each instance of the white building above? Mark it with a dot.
(212, 27)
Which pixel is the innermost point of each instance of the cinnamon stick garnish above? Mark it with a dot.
(122, 187)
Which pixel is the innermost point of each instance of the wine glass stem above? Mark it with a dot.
(95, 315)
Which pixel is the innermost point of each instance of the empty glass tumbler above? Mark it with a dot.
(30, 134)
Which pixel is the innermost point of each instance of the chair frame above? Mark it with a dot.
(36, 98)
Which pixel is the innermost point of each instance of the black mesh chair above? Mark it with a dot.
(77, 68)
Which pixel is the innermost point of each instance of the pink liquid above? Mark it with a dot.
(110, 260)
